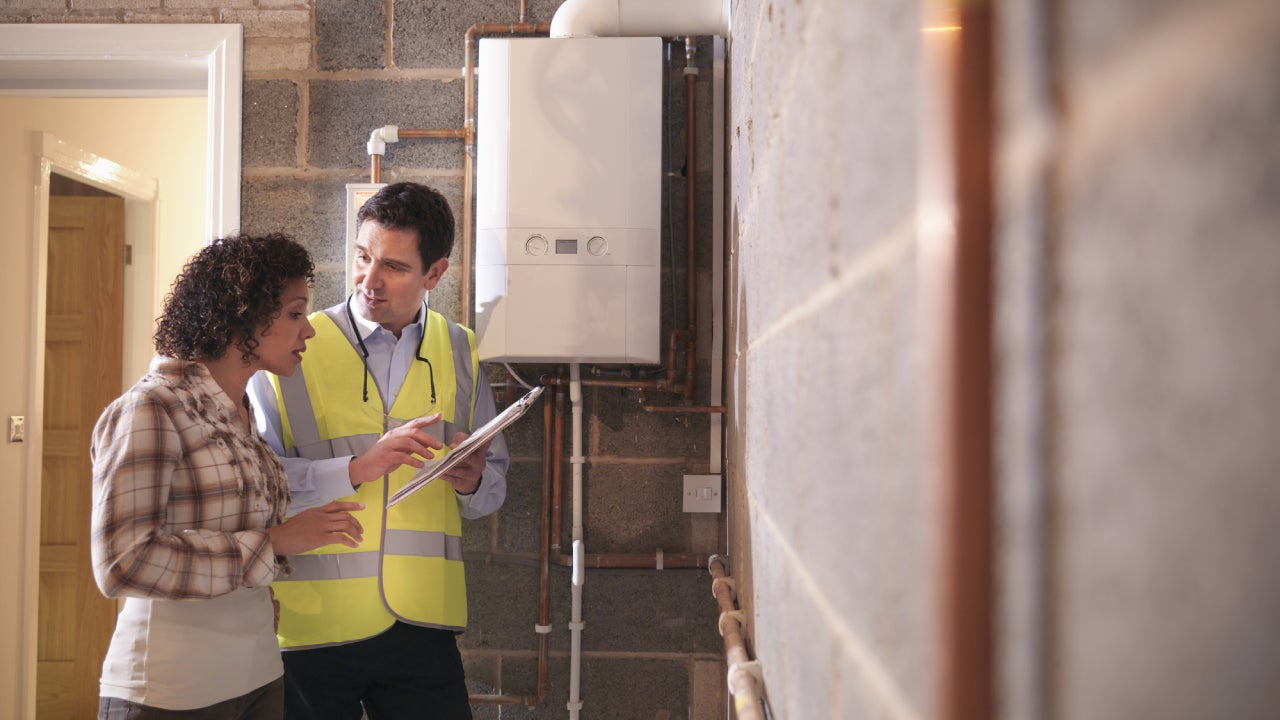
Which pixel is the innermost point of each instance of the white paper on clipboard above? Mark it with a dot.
(439, 466)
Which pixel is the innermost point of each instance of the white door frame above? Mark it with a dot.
(114, 61)
(142, 61)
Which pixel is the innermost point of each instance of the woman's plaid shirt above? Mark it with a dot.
(182, 491)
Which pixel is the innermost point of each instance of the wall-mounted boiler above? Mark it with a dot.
(568, 181)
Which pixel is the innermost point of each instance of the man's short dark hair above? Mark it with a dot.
(409, 205)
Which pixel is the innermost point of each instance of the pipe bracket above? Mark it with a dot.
(750, 668)
(736, 615)
(733, 586)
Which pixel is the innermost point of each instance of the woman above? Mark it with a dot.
(189, 503)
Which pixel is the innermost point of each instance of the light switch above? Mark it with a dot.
(17, 428)
(702, 493)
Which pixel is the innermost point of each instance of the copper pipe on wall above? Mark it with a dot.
(691, 198)
(375, 172)
(556, 432)
(441, 134)
(708, 409)
(742, 684)
(968, 657)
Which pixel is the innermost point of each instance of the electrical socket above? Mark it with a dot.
(702, 493)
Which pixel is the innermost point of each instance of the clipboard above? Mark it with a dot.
(439, 466)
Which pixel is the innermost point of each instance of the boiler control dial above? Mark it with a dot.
(536, 245)
(597, 245)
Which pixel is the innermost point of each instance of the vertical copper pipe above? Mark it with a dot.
(375, 169)
(557, 473)
(968, 616)
(691, 199)
(544, 557)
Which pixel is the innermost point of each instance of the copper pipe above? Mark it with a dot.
(553, 380)
(712, 409)
(375, 174)
(544, 562)
(557, 471)
(742, 684)
(441, 134)
(524, 9)
(665, 383)
(707, 409)
(968, 656)
(691, 161)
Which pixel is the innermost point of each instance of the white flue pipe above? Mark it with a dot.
(640, 18)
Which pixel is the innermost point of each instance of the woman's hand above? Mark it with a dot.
(313, 528)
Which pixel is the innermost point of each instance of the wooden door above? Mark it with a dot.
(84, 319)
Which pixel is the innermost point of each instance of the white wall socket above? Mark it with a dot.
(702, 493)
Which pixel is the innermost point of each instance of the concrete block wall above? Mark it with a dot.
(833, 528)
(320, 75)
(1139, 286)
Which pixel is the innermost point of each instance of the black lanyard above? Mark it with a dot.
(364, 352)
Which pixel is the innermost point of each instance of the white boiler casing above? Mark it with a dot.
(568, 180)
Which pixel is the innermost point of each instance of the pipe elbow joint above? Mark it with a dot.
(379, 138)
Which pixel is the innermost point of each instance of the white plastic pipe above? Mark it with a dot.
(378, 139)
(640, 18)
(579, 576)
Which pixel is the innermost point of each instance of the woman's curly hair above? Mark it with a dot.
(226, 293)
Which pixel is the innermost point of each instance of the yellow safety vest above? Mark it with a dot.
(409, 565)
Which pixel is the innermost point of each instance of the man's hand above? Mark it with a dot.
(313, 528)
(405, 445)
(465, 476)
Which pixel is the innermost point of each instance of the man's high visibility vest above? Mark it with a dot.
(409, 565)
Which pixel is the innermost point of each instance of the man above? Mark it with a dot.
(385, 380)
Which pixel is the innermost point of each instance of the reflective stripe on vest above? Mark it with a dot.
(409, 566)
(365, 564)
